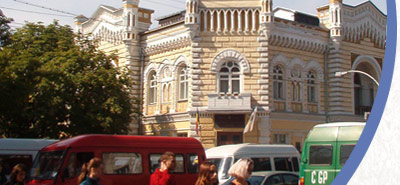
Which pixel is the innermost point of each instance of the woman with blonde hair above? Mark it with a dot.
(91, 172)
(207, 174)
(241, 171)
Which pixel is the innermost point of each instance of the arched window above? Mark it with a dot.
(183, 83)
(311, 87)
(152, 88)
(229, 78)
(277, 74)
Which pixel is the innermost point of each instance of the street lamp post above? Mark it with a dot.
(341, 73)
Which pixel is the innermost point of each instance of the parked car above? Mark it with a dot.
(274, 178)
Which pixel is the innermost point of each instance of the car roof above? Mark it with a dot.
(247, 149)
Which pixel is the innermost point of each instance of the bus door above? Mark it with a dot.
(320, 167)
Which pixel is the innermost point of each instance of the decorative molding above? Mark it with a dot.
(170, 45)
(230, 54)
(297, 42)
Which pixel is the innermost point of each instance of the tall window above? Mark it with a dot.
(311, 88)
(153, 88)
(183, 84)
(278, 82)
(229, 78)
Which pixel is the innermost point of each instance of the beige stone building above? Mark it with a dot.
(225, 58)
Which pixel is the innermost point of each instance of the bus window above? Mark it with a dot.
(122, 163)
(345, 151)
(47, 165)
(192, 163)
(155, 163)
(283, 164)
(262, 164)
(321, 155)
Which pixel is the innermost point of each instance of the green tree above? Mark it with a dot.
(54, 83)
(4, 29)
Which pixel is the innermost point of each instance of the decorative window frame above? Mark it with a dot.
(281, 60)
(314, 66)
(178, 64)
(226, 56)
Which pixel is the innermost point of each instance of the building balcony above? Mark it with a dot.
(229, 102)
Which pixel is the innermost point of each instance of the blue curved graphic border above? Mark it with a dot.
(380, 101)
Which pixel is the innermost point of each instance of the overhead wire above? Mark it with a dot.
(28, 11)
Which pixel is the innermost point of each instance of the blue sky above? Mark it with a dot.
(17, 10)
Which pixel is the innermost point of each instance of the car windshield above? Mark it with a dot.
(256, 180)
(47, 165)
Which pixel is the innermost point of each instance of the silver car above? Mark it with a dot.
(274, 178)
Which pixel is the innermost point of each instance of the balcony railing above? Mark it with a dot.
(228, 102)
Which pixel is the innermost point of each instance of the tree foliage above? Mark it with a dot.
(54, 83)
(4, 29)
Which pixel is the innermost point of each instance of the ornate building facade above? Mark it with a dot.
(223, 59)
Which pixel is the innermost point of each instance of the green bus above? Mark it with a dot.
(325, 151)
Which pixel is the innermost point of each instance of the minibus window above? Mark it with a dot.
(192, 163)
(9, 161)
(262, 164)
(217, 163)
(283, 164)
(122, 163)
(75, 162)
(155, 163)
(47, 165)
(180, 167)
(345, 151)
(321, 155)
(295, 163)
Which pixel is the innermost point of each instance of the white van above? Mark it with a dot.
(14, 151)
(266, 157)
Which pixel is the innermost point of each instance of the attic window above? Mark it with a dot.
(146, 15)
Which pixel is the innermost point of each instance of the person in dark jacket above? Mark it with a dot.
(17, 175)
(162, 175)
(91, 172)
(3, 178)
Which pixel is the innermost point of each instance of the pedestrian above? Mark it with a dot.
(241, 171)
(17, 175)
(162, 175)
(208, 174)
(91, 172)
(3, 178)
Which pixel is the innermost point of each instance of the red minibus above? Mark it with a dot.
(127, 159)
